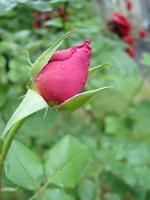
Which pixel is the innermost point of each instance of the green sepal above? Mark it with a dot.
(31, 103)
(79, 100)
(92, 69)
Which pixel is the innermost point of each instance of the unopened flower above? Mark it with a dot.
(65, 75)
(119, 25)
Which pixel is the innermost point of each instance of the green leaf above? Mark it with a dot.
(1, 144)
(31, 103)
(54, 23)
(55, 194)
(23, 167)
(40, 5)
(57, 1)
(146, 59)
(79, 100)
(2, 62)
(92, 69)
(6, 6)
(66, 162)
(87, 190)
(44, 58)
(124, 76)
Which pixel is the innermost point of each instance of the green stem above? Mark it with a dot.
(7, 142)
(40, 191)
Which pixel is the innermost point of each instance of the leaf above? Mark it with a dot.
(79, 100)
(57, 1)
(1, 144)
(44, 58)
(146, 59)
(55, 194)
(66, 162)
(16, 73)
(124, 76)
(92, 69)
(23, 167)
(54, 23)
(31, 103)
(40, 5)
(87, 190)
(6, 6)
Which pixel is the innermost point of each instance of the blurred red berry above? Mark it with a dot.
(131, 52)
(129, 40)
(143, 33)
(119, 24)
(129, 4)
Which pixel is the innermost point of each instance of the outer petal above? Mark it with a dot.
(65, 75)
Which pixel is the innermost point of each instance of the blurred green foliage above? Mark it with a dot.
(109, 159)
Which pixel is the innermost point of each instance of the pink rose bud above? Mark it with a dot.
(65, 74)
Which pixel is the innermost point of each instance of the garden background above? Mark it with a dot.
(114, 126)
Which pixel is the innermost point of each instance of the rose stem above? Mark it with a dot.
(7, 143)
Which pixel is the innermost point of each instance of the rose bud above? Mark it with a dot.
(119, 25)
(65, 74)
(131, 52)
(129, 40)
(143, 34)
(129, 4)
